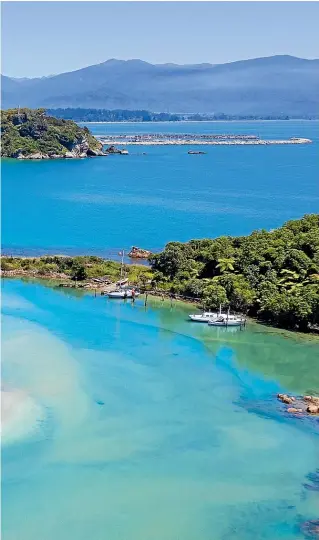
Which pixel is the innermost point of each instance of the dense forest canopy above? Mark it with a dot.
(30, 131)
(117, 115)
(272, 275)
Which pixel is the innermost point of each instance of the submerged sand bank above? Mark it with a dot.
(20, 415)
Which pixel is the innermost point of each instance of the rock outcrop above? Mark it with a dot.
(139, 253)
(311, 529)
(113, 150)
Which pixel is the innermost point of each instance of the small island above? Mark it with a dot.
(31, 134)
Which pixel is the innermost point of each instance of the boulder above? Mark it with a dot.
(113, 150)
(294, 410)
(69, 155)
(312, 399)
(139, 253)
(286, 399)
(313, 409)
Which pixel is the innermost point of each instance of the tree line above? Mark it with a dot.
(273, 276)
(124, 115)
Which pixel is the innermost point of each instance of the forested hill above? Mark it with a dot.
(31, 134)
(272, 275)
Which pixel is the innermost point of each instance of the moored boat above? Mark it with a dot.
(206, 316)
(124, 292)
(203, 317)
(227, 320)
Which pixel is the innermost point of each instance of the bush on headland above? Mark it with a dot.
(31, 134)
(270, 275)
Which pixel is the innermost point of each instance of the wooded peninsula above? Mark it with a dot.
(272, 276)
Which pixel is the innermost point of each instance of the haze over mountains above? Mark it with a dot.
(272, 85)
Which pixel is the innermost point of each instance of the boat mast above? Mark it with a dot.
(122, 264)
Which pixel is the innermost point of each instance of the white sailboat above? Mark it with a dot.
(123, 291)
(227, 320)
(206, 316)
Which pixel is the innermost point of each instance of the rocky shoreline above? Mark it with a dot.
(300, 405)
(79, 151)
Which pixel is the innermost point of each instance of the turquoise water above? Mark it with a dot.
(145, 426)
(102, 205)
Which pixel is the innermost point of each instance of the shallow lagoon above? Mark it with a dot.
(148, 426)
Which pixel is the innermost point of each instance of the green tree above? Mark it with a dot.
(214, 295)
(79, 272)
(225, 265)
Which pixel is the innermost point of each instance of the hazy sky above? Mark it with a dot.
(42, 38)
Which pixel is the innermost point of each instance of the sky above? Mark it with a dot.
(45, 38)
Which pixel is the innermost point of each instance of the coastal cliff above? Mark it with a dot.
(31, 134)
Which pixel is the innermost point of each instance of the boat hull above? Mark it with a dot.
(203, 318)
(122, 295)
(224, 323)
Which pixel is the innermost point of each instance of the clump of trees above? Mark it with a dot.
(270, 275)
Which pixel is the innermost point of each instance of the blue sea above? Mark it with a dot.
(105, 204)
(126, 422)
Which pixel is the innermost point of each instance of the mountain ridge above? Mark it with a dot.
(267, 85)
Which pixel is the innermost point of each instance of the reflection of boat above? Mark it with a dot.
(227, 320)
(124, 292)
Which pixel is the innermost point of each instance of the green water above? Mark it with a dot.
(144, 426)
